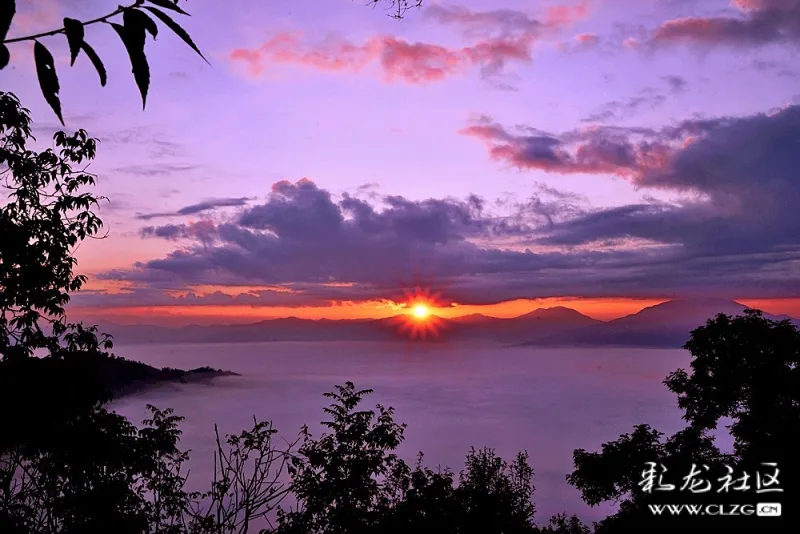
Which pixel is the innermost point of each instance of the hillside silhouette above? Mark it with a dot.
(665, 325)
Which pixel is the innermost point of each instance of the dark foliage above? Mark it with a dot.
(46, 216)
(92, 478)
(351, 481)
(745, 369)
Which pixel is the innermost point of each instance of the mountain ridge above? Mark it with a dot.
(663, 325)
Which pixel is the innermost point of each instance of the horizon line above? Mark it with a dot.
(435, 315)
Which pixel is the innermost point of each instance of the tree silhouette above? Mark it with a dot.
(48, 214)
(351, 481)
(743, 368)
(340, 479)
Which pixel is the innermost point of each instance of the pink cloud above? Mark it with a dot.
(399, 59)
(505, 21)
(333, 55)
(592, 150)
(755, 5)
(582, 41)
(760, 22)
(566, 15)
(587, 38)
(631, 42)
(498, 36)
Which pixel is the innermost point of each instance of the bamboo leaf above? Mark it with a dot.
(95, 59)
(175, 27)
(133, 37)
(139, 18)
(74, 30)
(166, 4)
(4, 56)
(7, 10)
(48, 79)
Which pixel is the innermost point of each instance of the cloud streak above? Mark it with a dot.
(758, 23)
(648, 98)
(497, 37)
(194, 209)
(398, 59)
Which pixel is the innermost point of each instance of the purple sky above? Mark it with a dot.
(495, 149)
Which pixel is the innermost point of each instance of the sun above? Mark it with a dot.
(417, 320)
(421, 311)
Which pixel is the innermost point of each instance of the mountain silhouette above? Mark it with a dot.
(662, 325)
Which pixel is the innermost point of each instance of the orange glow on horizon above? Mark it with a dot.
(787, 306)
(603, 309)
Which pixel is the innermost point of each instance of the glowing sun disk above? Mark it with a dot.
(421, 311)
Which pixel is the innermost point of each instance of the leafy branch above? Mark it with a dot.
(136, 24)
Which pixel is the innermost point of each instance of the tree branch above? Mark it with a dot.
(104, 18)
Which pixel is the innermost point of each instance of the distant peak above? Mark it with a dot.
(474, 316)
(555, 312)
(686, 309)
(699, 302)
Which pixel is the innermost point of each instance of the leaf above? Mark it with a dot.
(95, 59)
(133, 38)
(166, 4)
(4, 56)
(180, 32)
(7, 10)
(134, 29)
(48, 79)
(140, 18)
(74, 30)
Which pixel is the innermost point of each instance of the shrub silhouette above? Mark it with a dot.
(351, 481)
